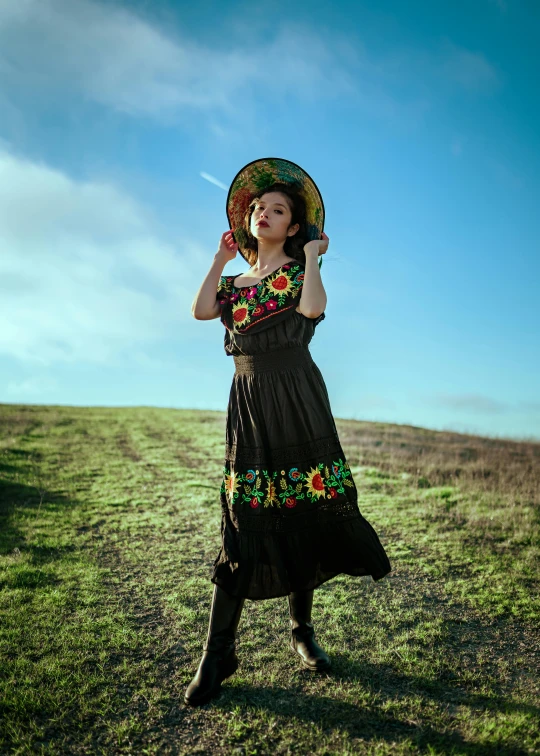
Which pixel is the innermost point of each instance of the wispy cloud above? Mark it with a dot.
(470, 69)
(470, 403)
(113, 56)
(52, 51)
(36, 386)
(109, 55)
(83, 275)
(529, 406)
(215, 181)
(481, 404)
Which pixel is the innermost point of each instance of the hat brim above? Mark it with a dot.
(260, 174)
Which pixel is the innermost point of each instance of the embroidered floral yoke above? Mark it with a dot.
(290, 516)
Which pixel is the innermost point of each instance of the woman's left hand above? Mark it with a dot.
(317, 246)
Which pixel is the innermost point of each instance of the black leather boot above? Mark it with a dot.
(302, 632)
(219, 658)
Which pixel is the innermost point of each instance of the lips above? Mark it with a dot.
(263, 223)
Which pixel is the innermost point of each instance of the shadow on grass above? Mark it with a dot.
(15, 498)
(447, 693)
(373, 723)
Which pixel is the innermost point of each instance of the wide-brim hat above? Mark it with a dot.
(254, 178)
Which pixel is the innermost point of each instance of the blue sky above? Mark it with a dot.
(420, 123)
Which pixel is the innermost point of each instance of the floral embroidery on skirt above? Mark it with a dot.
(264, 487)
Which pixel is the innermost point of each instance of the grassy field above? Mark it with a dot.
(110, 522)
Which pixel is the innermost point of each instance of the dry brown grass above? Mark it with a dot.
(444, 458)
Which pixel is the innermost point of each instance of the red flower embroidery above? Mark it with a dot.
(281, 282)
(333, 493)
(254, 503)
(295, 474)
(271, 304)
(317, 482)
(240, 314)
(259, 309)
(290, 502)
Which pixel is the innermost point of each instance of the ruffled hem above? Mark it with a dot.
(262, 566)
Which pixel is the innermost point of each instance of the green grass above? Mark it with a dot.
(109, 525)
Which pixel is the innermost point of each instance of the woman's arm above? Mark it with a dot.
(313, 298)
(205, 306)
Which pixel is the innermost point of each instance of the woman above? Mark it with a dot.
(290, 517)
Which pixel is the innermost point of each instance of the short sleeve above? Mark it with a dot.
(224, 289)
(318, 319)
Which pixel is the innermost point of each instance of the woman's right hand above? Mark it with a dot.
(227, 246)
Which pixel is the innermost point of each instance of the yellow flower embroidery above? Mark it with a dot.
(314, 482)
(270, 494)
(280, 284)
(240, 314)
(231, 485)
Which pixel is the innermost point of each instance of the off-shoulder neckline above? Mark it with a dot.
(247, 286)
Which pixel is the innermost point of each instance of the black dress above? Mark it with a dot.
(290, 518)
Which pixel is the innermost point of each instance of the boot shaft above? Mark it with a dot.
(225, 613)
(300, 606)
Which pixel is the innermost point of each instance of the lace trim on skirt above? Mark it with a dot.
(249, 455)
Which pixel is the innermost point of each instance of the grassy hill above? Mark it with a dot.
(109, 525)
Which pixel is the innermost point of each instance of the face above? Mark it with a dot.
(272, 208)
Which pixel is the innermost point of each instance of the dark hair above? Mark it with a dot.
(293, 245)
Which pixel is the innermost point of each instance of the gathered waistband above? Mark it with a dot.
(278, 359)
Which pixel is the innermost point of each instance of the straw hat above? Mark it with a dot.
(254, 178)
